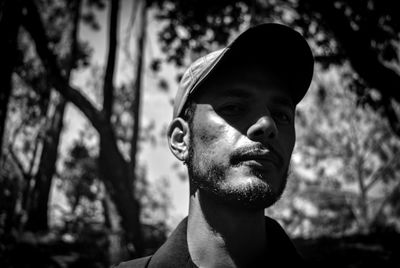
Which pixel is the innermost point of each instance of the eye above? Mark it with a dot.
(232, 109)
(282, 117)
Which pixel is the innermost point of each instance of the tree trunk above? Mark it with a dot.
(37, 217)
(138, 87)
(10, 13)
(114, 170)
(116, 174)
(38, 212)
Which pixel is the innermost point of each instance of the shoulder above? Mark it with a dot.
(280, 243)
(273, 224)
(136, 263)
(277, 234)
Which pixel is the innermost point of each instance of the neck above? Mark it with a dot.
(220, 235)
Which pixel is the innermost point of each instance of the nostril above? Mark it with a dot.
(272, 135)
(264, 133)
(258, 132)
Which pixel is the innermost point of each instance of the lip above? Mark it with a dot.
(260, 159)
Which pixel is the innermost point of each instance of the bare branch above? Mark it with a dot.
(33, 24)
(384, 202)
(108, 85)
(361, 55)
(375, 176)
(392, 116)
(129, 30)
(16, 160)
(35, 151)
(74, 36)
(138, 86)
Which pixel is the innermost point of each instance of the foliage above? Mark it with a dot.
(352, 162)
(89, 201)
(48, 51)
(22, 139)
(117, 172)
(362, 33)
(33, 109)
(81, 185)
(345, 166)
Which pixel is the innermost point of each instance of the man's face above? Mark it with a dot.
(242, 137)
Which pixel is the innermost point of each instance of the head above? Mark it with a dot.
(236, 130)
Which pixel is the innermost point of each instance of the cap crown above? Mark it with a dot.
(196, 72)
(271, 44)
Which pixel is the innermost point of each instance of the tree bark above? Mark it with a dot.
(138, 87)
(10, 13)
(38, 212)
(116, 174)
(32, 23)
(108, 85)
(114, 170)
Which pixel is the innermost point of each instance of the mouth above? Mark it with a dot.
(261, 158)
(259, 161)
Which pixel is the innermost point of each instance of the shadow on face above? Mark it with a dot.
(253, 99)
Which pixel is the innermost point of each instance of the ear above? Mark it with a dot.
(178, 138)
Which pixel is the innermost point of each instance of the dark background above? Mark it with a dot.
(342, 203)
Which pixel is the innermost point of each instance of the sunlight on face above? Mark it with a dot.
(242, 137)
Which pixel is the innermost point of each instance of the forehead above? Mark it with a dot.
(246, 80)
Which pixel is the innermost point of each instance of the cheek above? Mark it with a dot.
(211, 134)
(287, 140)
(208, 134)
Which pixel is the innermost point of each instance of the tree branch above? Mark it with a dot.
(33, 24)
(16, 160)
(391, 115)
(375, 176)
(138, 86)
(10, 13)
(74, 36)
(108, 85)
(35, 151)
(129, 30)
(362, 57)
(384, 202)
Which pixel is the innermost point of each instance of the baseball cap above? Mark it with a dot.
(271, 44)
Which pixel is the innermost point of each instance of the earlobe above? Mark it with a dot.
(178, 138)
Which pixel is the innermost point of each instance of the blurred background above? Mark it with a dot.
(86, 176)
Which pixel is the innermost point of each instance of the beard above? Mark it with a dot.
(210, 178)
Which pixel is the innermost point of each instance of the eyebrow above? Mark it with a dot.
(282, 101)
(242, 93)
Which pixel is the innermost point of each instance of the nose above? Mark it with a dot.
(262, 130)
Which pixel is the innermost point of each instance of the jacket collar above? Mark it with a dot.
(175, 253)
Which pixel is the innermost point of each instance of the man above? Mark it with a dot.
(233, 126)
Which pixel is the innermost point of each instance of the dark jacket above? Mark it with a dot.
(174, 252)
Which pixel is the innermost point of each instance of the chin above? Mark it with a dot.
(250, 194)
(243, 187)
(253, 178)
